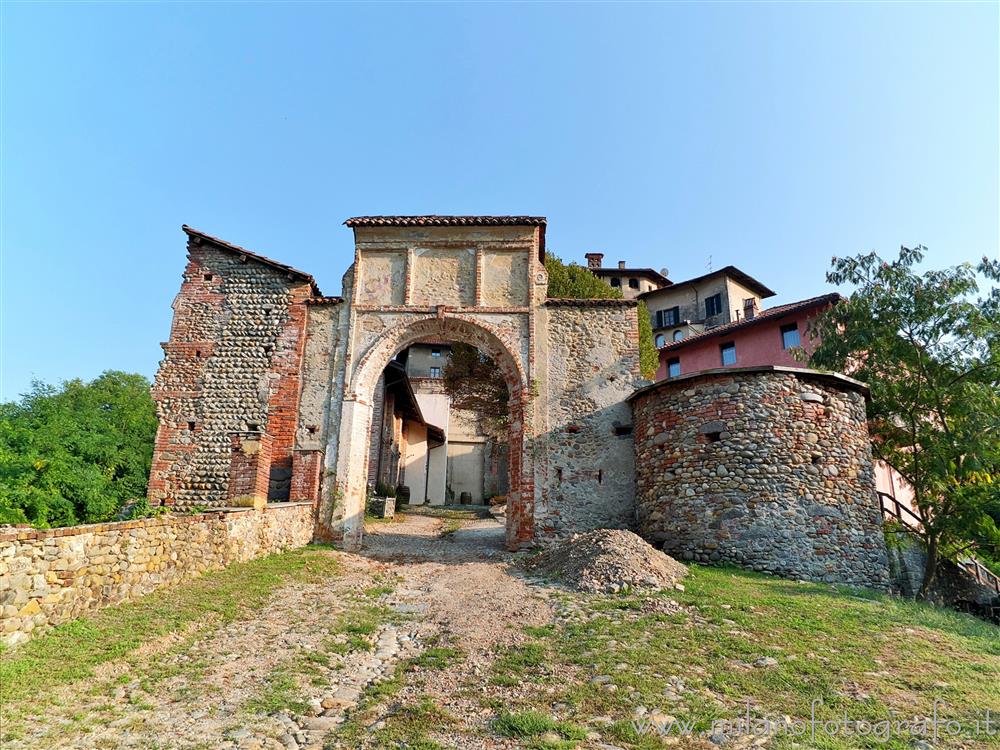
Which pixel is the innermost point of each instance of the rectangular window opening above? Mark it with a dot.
(633, 283)
(790, 336)
(713, 305)
(673, 367)
(728, 354)
(435, 372)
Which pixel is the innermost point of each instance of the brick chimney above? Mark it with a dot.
(750, 308)
(594, 259)
(621, 265)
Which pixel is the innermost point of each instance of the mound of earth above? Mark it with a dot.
(607, 560)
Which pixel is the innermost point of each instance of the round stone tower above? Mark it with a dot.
(768, 468)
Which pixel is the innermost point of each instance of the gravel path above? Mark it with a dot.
(448, 589)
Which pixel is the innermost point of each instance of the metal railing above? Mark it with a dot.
(892, 508)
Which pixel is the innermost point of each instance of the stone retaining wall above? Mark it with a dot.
(49, 576)
(768, 468)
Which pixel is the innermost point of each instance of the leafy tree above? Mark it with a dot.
(75, 454)
(929, 349)
(476, 384)
(570, 281)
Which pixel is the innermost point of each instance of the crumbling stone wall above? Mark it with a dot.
(49, 576)
(232, 364)
(586, 467)
(768, 468)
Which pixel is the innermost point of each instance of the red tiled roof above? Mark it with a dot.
(763, 316)
(223, 245)
(434, 220)
(732, 271)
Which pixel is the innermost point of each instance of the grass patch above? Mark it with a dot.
(539, 730)
(449, 526)
(454, 512)
(857, 652)
(436, 657)
(71, 651)
(282, 692)
(406, 726)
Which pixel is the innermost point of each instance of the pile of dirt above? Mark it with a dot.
(607, 560)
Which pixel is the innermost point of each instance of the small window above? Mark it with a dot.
(633, 283)
(208, 277)
(191, 426)
(673, 367)
(728, 354)
(678, 335)
(667, 318)
(790, 336)
(661, 340)
(616, 282)
(713, 305)
(435, 352)
(435, 372)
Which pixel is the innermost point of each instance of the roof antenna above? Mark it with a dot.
(709, 264)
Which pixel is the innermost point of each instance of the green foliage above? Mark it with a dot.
(475, 384)
(76, 454)
(929, 349)
(570, 281)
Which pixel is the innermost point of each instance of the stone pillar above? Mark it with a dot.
(306, 466)
(249, 469)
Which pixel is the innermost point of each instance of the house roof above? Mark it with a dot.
(764, 316)
(647, 272)
(293, 273)
(832, 378)
(732, 271)
(398, 381)
(434, 220)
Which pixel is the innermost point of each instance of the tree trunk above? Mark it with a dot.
(930, 569)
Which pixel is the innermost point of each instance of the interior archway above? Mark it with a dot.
(359, 398)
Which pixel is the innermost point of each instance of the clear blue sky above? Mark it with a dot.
(769, 136)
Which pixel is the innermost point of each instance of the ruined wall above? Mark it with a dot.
(50, 576)
(766, 468)
(586, 468)
(232, 364)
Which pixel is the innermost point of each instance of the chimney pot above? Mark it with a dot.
(750, 308)
(621, 265)
(594, 259)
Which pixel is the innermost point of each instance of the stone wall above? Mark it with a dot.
(768, 468)
(952, 584)
(54, 575)
(585, 472)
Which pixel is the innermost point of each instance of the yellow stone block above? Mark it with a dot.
(31, 608)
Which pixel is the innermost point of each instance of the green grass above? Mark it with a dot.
(539, 730)
(71, 651)
(454, 512)
(281, 693)
(854, 651)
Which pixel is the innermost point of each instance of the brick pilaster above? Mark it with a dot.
(250, 466)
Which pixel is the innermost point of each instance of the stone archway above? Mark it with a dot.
(357, 409)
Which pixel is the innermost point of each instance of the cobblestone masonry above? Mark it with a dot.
(586, 470)
(767, 468)
(54, 575)
(232, 364)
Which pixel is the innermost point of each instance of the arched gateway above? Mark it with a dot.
(267, 387)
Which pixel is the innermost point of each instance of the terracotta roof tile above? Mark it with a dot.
(762, 317)
(223, 245)
(434, 220)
